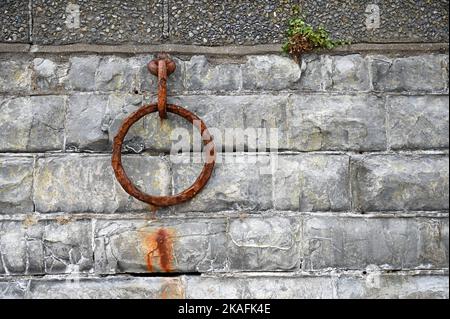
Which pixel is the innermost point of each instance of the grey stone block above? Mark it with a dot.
(16, 180)
(235, 121)
(49, 74)
(114, 74)
(14, 21)
(260, 287)
(400, 182)
(243, 22)
(15, 75)
(86, 127)
(329, 122)
(423, 73)
(238, 182)
(316, 71)
(311, 183)
(33, 123)
(168, 245)
(46, 247)
(388, 243)
(203, 76)
(350, 73)
(107, 288)
(418, 122)
(13, 288)
(80, 183)
(82, 73)
(375, 285)
(63, 22)
(264, 244)
(270, 72)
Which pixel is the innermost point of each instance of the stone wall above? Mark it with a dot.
(353, 203)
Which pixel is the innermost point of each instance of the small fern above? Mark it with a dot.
(303, 38)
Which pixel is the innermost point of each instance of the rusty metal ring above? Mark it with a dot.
(162, 201)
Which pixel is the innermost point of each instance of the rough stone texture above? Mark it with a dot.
(45, 247)
(389, 243)
(327, 122)
(348, 200)
(400, 182)
(86, 128)
(264, 244)
(202, 76)
(16, 179)
(33, 123)
(238, 22)
(391, 286)
(311, 183)
(416, 74)
(270, 73)
(14, 21)
(185, 245)
(81, 183)
(15, 75)
(232, 185)
(400, 21)
(110, 22)
(418, 122)
(107, 288)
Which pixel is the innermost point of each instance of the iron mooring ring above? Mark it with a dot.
(163, 201)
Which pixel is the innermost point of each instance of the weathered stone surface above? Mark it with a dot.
(389, 243)
(46, 247)
(316, 72)
(16, 180)
(80, 183)
(33, 123)
(201, 75)
(238, 122)
(112, 22)
(177, 245)
(375, 285)
(264, 287)
(418, 122)
(311, 183)
(14, 21)
(375, 21)
(49, 74)
(13, 288)
(114, 74)
(86, 128)
(264, 244)
(242, 22)
(82, 73)
(238, 182)
(400, 182)
(350, 73)
(15, 75)
(328, 122)
(423, 73)
(107, 288)
(270, 72)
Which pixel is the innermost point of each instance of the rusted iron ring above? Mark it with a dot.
(162, 201)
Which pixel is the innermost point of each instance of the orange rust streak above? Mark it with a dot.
(159, 244)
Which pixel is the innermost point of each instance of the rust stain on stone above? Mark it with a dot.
(159, 245)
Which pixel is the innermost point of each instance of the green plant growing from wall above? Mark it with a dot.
(304, 38)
